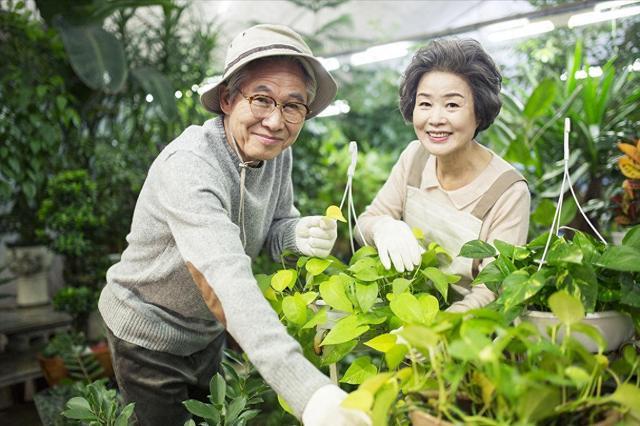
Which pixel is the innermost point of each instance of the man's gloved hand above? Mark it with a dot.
(396, 244)
(479, 296)
(324, 409)
(315, 235)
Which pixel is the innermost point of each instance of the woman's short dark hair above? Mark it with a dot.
(465, 58)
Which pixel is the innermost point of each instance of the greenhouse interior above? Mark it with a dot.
(319, 212)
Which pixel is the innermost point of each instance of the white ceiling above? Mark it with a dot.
(377, 21)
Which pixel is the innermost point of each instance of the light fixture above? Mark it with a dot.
(518, 28)
(381, 53)
(595, 71)
(604, 12)
(336, 108)
(330, 64)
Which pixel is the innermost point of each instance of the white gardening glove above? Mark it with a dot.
(315, 235)
(479, 296)
(323, 409)
(396, 244)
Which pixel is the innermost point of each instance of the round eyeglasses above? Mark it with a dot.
(262, 106)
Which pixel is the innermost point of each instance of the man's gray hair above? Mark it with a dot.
(237, 79)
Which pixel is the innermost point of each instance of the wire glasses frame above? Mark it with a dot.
(262, 106)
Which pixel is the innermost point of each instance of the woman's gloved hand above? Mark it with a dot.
(315, 235)
(396, 244)
(479, 296)
(324, 409)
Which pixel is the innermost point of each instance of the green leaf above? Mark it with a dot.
(334, 353)
(477, 249)
(407, 307)
(264, 282)
(440, 280)
(348, 328)
(563, 252)
(334, 212)
(384, 398)
(309, 297)
(283, 279)
(333, 292)
(383, 342)
(628, 396)
(632, 237)
(359, 370)
(543, 214)
(577, 375)
(537, 404)
(489, 274)
(592, 333)
(366, 295)
(286, 407)
(420, 336)
(567, 308)
(365, 269)
(235, 408)
(541, 99)
(78, 408)
(400, 285)
(294, 309)
(519, 287)
(125, 414)
(318, 318)
(394, 356)
(96, 56)
(358, 400)
(317, 266)
(620, 258)
(200, 409)
(430, 307)
(160, 87)
(366, 251)
(217, 389)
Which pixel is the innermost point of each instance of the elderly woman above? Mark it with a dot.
(446, 183)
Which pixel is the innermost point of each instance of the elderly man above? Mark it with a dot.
(213, 198)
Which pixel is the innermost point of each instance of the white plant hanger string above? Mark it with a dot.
(566, 179)
(348, 195)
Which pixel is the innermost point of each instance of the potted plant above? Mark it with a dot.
(81, 303)
(67, 356)
(627, 202)
(478, 368)
(606, 279)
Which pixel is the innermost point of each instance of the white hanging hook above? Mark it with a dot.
(353, 150)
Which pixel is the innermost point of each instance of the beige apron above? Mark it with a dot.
(447, 226)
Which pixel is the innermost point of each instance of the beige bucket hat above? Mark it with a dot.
(265, 40)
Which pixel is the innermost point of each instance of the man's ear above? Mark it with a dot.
(225, 99)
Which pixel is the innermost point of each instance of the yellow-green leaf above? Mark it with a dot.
(358, 400)
(383, 342)
(283, 279)
(334, 212)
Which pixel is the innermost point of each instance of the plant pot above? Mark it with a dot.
(615, 327)
(30, 265)
(53, 369)
(420, 418)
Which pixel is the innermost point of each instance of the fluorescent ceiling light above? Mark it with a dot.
(330, 64)
(593, 17)
(381, 53)
(608, 5)
(336, 108)
(507, 25)
(582, 74)
(529, 29)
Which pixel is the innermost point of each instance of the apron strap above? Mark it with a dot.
(495, 191)
(417, 167)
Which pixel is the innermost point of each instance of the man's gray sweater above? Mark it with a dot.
(187, 211)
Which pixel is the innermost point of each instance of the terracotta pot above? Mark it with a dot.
(53, 369)
(615, 327)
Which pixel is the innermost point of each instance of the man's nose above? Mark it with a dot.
(275, 120)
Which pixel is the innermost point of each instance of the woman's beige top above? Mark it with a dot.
(508, 220)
